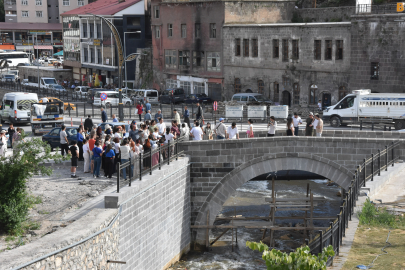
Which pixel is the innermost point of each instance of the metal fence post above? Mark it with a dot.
(92, 109)
(118, 177)
(321, 239)
(342, 210)
(160, 156)
(69, 108)
(372, 126)
(361, 124)
(140, 166)
(392, 154)
(130, 171)
(339, 233)
(386, 158)
(379, 162)
(372, 167)
(84, 108)
(332, 242)
(168, 151)
(77, 110)
(364, 173)
(177, 151)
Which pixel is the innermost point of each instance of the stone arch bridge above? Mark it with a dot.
(220, 167)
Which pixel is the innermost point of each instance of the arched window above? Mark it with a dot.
(312, 94)
(342, 92)
(276, 92)
(296, 92)
(260, 86)
(237, 85)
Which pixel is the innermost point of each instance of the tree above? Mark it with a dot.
(28, 160)
(300, 259)
(2, 18)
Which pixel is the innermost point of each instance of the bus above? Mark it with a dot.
(14, 58)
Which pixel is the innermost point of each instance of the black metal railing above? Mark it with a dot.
(376, 125)
(145, 163)
(364, 172)
(376, 9)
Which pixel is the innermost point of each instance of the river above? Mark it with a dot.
(249, 201)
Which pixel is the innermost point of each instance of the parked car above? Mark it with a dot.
(174, 95)
(244, 98)
(57, 88)
(113, 124)
(80, 91)
(112, 99)
(66, 105)
(8, 78)
(145, 94)
(202, 98)
(53, 137)
(92, 92)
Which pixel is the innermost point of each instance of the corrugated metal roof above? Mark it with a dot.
(30, 26)
(102, 7)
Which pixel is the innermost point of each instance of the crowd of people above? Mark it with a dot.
(314, 125)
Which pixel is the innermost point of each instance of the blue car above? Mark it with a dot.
(201, 98)
(53, 137)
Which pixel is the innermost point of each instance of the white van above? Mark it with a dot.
(143, 95)
(16, 107)
(367, 106)
(112, 99)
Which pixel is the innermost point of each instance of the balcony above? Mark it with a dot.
(10, 2)
(367, 9)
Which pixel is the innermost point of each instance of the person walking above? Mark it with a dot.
(3, 143)
(208, 131)
(148, 106)
(97, 153)
(158, 115)
(74, 152)
(109, 161)
(10, 133)
(319, 126)
(196, 132)
(88, 123)
(176, 117)
(319, 105)
(232, 132)
(272, 126)
(64, 143)
(104, 117)
(249, 131)
(309, 128)
(124, 149)
(186, 116)
(86, 156)
(290, 127)
(296, 121)
(200, 114)
(220, 129)
(139, 107)
(80, 139)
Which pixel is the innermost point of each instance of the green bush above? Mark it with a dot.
(14, 173)
(296, 18)
(301, 258)
(370, 215)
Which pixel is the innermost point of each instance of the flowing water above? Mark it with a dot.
(249, 201)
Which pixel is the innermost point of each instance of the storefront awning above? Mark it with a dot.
(23, 48)
(7, 47)
(43, 47)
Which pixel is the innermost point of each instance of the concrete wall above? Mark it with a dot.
(91, 254)
(327, 75)
(32, 8)
(213, 160)
(155, 219)
(337, 14)
(378, 38)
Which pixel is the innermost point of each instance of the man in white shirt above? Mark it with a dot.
(161, 126)
(314, 124)
(297, 121)
(196, 132)
(232, 132)
(272, 126)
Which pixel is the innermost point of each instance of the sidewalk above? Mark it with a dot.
(391, 185)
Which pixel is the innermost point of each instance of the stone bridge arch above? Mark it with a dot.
(261, 165)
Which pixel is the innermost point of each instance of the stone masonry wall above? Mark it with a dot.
(330, 14)
(91, 254)
(212, 160)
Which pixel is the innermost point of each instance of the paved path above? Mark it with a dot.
(390, 192)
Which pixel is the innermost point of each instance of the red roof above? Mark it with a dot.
(102, 7)
(31, 26)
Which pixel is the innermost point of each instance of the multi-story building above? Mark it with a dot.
(39, 11)
(89, 45)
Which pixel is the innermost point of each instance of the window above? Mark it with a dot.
(98, 30)
(348, 102)
(328, 49)
(156, 12)
(260, 86)
(84, 27)
(237, 47)
(197, 30)
(342, 92)
(246, 47)
(157, 31)
(285, 50)
(317, 49)
(237, 85)
(92, 56)
(171, 58)
(296, 92)
(39, 14)
(24, 14)
(183, 30)
(186, 87)
(80, 3)
(99, 57)
(38, 3)
(339, 49)
(295, 49)
(198, 59)
(213, 61)
(24, 2)
(169, 30)
(276, 48)
(85, 55)
(184, 58)
(199, 88)
(276, 92)
(375, 70)
(66, 2)
(91, 26)
(312, 95)
(170, 84)
(213, 30)
(255, 46)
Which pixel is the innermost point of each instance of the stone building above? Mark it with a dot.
(293, 64)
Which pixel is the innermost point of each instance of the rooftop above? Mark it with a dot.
(102, 7)
(31, 26)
